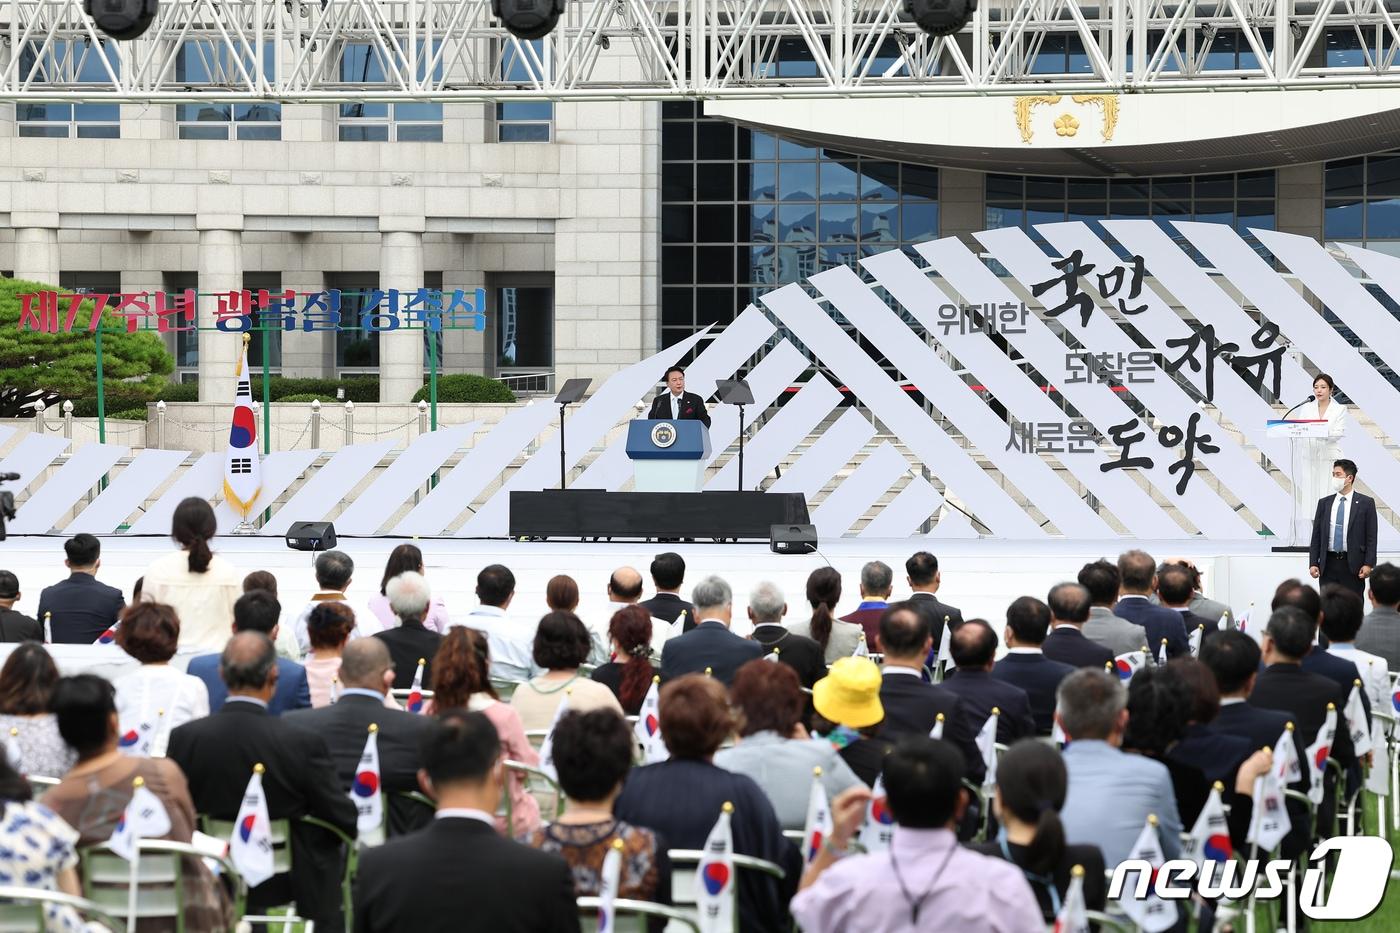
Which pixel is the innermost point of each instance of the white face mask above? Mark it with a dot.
(1338, 482)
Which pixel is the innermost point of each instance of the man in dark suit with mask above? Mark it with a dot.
(676, 403)
(1343, 548)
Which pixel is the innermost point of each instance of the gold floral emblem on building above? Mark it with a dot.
(1067, 124)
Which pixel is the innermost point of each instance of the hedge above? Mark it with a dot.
(458, 387)
(468, 387)
(310, 397)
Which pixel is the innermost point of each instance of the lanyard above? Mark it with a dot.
(914, 904)
(1045, 881)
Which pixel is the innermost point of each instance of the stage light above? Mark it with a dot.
(528, 19)
(121, 19)
(940, 17)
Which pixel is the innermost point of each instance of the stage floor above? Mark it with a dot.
(981, 577)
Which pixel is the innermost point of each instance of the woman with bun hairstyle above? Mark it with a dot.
(198, 584)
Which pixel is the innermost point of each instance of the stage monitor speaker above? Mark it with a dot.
(792, 539)
(311, 536)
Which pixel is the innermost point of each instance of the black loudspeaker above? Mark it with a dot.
(311, 536)
(792, 539)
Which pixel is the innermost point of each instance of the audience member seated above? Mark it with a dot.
(26, 688)
(285, 638)
(1342, 615)
(562, 644)
(328, 628)
(154, 698)
(95, 792)
(876, 584)
(1317, 660)
(1216, 613)
(1025, 665)
(366, 673)
(710, 646)
(217, 754)
(80, 608)
(458, 872)
(1031, 787)
(924, 579)
(668, 575)
(766, 610)
(625, 589)
(410, 639)
(974, 649)
(774, 748)
(838, 639)
(695, 720)
(256, 611)
(1116, 634)
(1158, 707)
(198, 584)
(406, 558)
(1111, 793)
(849, 715)
(1137, 574)
(925, 881)
(1069, 610)
(1175, 592)
(464, 682)
(1216, 755)
(912, 705)
(36, 845)
(630, 676)
(592, 755)
(334, 573)
(512, 640)
(1380, 633)
(561, 593)
(15, 626)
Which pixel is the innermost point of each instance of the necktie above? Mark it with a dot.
(1338, 544)
(675, 406)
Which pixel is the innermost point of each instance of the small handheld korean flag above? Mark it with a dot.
(1073, 916)
(1378, 777)
(415, 691)
(1318, 753)
(607, 886)
(1126, 665)
(1196, 637)
(1057, 731)
(250, 846)
(861, 650)
(1162, 652)
(937, 731)
(242, 469)
(145, 817)
(1150, 912)
(1269, 823)
(364, 789)
(1358, 728)
(1209, 841)
(1287, 767)
(818, 827)
(13, 755)
(945, 643)
(648, 727)
(878, 828)
(987, 745)
(107, 637)
(714, 877)
(335, 690)
(1242, 620)
(547, 746)
(772, 656)
(48, 628)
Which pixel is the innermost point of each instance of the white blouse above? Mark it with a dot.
(151, 701)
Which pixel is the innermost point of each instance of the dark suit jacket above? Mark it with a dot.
(692, 407)
(866, 757)
(935, 612)
(1040, 677)
(1261, 728)
(408, 643)
(217, 754)
(1068, 645)
(458, 874)
(1304, 697)
(344, 725)
(979, 692)
(16, 627)
(1191, 622)
(1160, 623)
(1361, 533)
(668, 607)
(869, 619)
(804, 655)
(710, 645)
(912, 707)
(1338, 670)
(293, 692)
(82, 608)
(1210, 755)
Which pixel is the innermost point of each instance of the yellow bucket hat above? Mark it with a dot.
(849, 694)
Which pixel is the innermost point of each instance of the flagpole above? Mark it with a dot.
(134, 869)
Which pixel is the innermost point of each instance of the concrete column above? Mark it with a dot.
(1299, 200)
(220, 270)
(962, 202)
(36, 247)
(401, 267)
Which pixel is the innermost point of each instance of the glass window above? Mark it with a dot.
(525, 328)
(524, 121)
(362, 65)
(838, 181)
(69, 62)
(1343, 220)
(206, 61)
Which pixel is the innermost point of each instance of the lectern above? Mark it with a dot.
(1297, 430)
(668, 456)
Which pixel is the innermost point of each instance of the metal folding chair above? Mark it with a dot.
(638, 911)
(23, 910)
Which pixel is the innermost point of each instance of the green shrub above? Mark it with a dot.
(130, 414)
(309, 397)
(468, 387)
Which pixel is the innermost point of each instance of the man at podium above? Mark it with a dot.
(676, 403)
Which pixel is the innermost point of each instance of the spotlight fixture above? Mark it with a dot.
(528, 19)
(121, 19)
(940, 17)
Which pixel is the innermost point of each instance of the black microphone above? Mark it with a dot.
(9, 477)
(1305, 401)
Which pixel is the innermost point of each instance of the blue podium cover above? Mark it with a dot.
(648, 440)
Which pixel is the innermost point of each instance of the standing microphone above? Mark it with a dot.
(9, 477)
(1305, 401)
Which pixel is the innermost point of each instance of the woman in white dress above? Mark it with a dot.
(154, 698)
(1313, 456)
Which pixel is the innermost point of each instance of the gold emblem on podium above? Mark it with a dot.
(664, 434)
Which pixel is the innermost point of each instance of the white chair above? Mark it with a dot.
(22, 910)
(637, 911)
(685, 862)
(106, 879)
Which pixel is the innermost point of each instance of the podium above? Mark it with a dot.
(668, 456)
(1295, 428)
(1298, 431)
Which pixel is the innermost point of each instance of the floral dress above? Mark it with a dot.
(35, 845)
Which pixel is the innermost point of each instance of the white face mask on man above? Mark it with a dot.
(1338, 482)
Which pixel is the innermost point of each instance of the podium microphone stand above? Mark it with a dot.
(571, 392)
(737, 392)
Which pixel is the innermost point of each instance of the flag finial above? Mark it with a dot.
(617, 844)
(1151, 819)
(938, 718)
(422, 660)
(373, 727)
(258, 768)
(1077, 871)
(1219, 787)
(817, 772)
(1288, 725)
(656, 678)
(14, 732)
(996, 710)
(247, 339)
(1331, 707)
(709, 672)
(1357, 682)
(138, 781)
(728, 807)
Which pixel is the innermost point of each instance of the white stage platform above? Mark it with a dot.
(979, 576)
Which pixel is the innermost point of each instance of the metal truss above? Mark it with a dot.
(443, 50)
